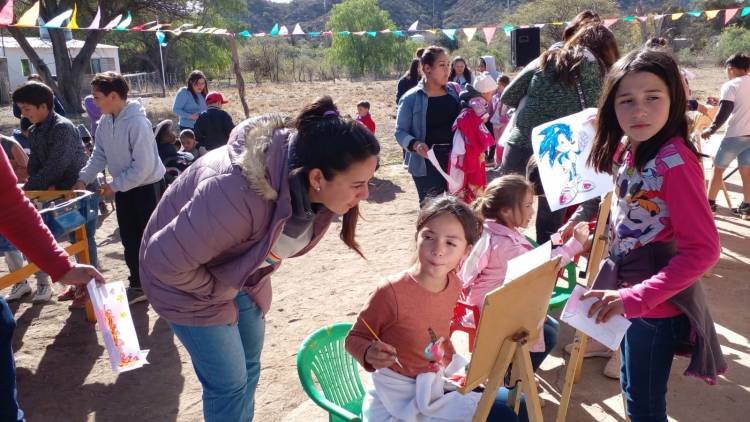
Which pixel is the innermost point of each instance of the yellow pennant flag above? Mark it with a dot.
(30, 17)
(73, 24)
(676, 16)
(710, 14)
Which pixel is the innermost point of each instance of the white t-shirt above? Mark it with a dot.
(738, 91)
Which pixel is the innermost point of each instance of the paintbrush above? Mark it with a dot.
(378, 339)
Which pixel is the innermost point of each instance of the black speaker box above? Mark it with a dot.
(524, 46)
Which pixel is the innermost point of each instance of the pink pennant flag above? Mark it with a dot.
(469, 32)
(524, 26)
(489, 32)
(729, 14)
(6, 15)
(97, 18)
(413, 26)
(610, 22)
(385, 31)
(643, 18)
(114, 22)
(327, 33)
(283, 30)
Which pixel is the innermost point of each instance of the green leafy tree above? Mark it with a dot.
(733, 40)
(365, 54)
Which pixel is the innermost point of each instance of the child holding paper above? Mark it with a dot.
(662, 232)
(414, 349)
(506, 206)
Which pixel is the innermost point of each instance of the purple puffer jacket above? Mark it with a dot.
(215, 225)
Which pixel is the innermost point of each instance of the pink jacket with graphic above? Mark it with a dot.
(484, 270)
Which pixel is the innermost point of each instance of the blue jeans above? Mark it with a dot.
(433, 183)
(9, 410)
(226, 359)
(501, 412)
(647, 352)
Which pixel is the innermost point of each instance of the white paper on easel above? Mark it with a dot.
(608, 333)
(522, 264)
(110, 303)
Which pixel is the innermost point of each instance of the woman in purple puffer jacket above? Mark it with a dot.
(224, 226)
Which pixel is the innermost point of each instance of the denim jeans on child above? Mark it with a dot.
(647, 352)
(226, 359)
(551, 330)
(9, 410)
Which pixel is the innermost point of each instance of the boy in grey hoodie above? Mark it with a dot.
(125, 145)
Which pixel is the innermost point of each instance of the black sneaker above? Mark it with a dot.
(712, 204)
(743, 211)
(135, 295)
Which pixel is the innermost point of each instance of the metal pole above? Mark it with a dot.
(161, 59)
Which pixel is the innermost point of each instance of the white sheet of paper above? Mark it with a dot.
(608, 333)
(522, 264)
(561, 148)
(453, 184)
(110, 303)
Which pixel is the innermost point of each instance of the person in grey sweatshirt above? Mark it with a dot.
(125, 145)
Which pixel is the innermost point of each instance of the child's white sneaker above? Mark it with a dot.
(612, 369)
(18, 291)
(43, 292)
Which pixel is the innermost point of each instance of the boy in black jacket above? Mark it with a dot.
(213, 125)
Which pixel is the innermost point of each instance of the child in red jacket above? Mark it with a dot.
(364, 117)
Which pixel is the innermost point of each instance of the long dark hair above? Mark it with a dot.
(467, 71)
(596, 39)
(581, 19)
(609, 132)
(194, 77)
(332, 143)
(413, 73)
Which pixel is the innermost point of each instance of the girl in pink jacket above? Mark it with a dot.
(506, 206)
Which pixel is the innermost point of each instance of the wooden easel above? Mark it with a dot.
(575, 363)
(80, 247)
(511, 318)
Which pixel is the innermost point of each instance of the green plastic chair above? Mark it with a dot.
(561, 294)
(322, 354)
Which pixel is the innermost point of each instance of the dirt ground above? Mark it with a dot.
(64, 374)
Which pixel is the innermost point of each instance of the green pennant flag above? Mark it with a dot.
(245, 34)
(275, 30)
(372, 33)
(628, 19)
(398, 33)
(745, 11)
(695, 13)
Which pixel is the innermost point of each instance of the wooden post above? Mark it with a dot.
(238, 74)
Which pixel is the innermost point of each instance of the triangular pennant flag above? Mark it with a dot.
(58, 20)
(413, 26)
(221, 31)
(557, 23)
(610, 22)
(489, 32)
(344, 33)
(469, 32)
(328, 33)
(73, 22)
(398, 33)
(745, 11)
(372, 33)
(183, 27)
(526, 26)
(274, 30)
(385, 31)
(450, 33)
(628, 19)
(432, 31)
(113, 23)
(643, 18)
(160, 37)
(729, 14)
(283, 30)
(359, 33)
(710, 14)
(507, 29)
(314, 33)
(245, 34)
(97, 18)
(676, 16)
(539, 25)
(125, 23)
(260, 34)
(298, 30)
(142, 27)
(657, 17)
(695, 13)
(29, 17)
(6, 15)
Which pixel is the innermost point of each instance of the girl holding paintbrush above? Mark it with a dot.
(402, 333)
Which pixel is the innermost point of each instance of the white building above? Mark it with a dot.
(105, 58)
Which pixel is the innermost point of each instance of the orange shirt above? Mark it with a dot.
(401, 311)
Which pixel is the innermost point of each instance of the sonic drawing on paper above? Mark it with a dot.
(563, 150)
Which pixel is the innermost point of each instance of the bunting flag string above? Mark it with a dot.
(123, 21)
